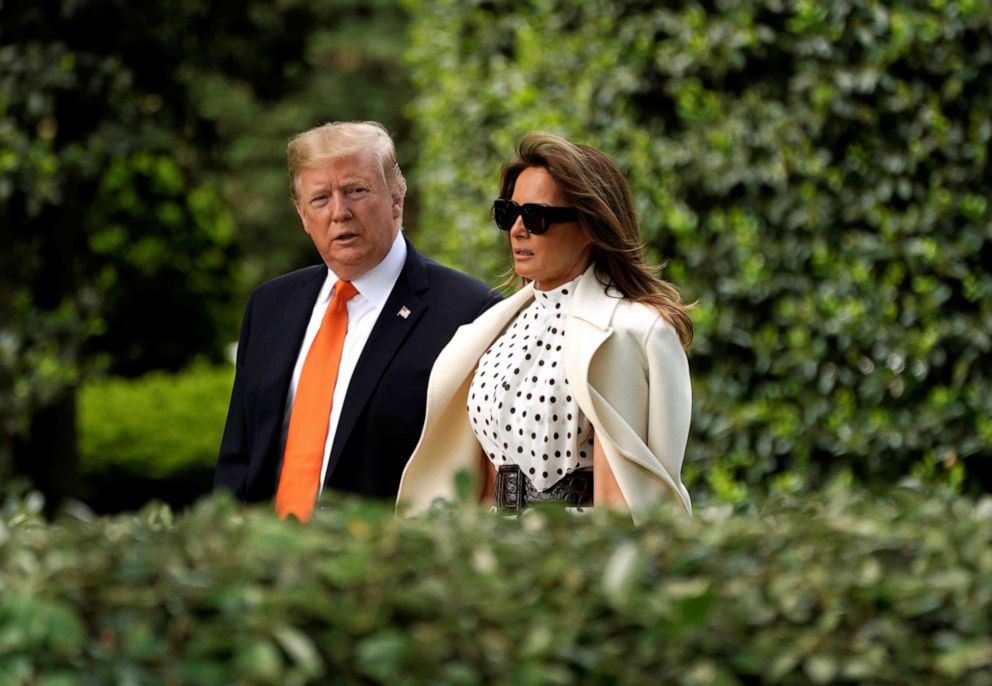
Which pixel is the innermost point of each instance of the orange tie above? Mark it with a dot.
(304, 455)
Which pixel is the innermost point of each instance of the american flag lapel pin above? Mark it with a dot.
(404, 312)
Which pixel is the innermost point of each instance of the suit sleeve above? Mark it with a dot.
(232, 462)
(493, 298)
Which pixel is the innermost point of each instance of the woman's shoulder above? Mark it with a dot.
(644, 323)
(637, 316)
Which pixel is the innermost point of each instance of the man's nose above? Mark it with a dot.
(340, 208)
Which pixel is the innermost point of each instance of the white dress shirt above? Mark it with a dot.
(373, 288)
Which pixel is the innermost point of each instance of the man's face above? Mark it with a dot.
(348, 212)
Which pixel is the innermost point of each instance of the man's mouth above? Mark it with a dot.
(346, 236)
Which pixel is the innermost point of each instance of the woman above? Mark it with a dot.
(575, 389)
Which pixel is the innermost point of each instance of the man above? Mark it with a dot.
(333, 360)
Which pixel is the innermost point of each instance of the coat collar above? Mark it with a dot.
(592, 302)
(587, 327)
(460, 357)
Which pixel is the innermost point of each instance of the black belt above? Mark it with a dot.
(514, 491)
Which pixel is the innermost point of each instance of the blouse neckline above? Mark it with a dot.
(557, 296)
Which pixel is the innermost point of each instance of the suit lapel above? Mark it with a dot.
(289, 327)
(388, 334)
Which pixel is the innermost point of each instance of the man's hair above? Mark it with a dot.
(593, 184)
(337, 139)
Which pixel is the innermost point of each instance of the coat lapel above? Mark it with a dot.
(586, 328)
(388, 334)
(445, 446)
(290, 325)
(460, 357)
(288, 331)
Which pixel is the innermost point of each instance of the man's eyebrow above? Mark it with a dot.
(357, 181)
(324, 187)
(319, 189)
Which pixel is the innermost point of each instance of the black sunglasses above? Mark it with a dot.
(537, 218)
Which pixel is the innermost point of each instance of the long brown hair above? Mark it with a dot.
(593, 184)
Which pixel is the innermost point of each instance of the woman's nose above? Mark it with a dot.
(518, 230)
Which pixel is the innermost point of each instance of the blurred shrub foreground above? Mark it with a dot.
(845, 589)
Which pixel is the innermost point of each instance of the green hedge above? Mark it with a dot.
(831, 590)
(816, 174)
(154, 437)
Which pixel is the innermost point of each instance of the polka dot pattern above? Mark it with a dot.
(519, 404)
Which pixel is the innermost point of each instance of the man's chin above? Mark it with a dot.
(350, 264)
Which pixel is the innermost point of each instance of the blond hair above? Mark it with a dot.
(337, 139)
(593, 184)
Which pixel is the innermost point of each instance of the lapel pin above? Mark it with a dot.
(404, 312)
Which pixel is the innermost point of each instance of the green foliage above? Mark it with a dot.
(39, 355)
(831, 590)
(816, 176)
(152, 437)
(100, 188)
(165, 246)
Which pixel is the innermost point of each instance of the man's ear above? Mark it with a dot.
(397, 205)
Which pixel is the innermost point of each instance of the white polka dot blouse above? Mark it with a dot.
(519, 403)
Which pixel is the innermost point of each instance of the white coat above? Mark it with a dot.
(626, 370)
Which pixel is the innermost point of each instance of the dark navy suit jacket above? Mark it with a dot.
(383, 411)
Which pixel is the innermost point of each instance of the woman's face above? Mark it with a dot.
(557, 256)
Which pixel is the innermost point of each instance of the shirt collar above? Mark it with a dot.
(557, 297)
(377, 283)
(594, 303)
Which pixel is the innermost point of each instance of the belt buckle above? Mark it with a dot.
(510, 490)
